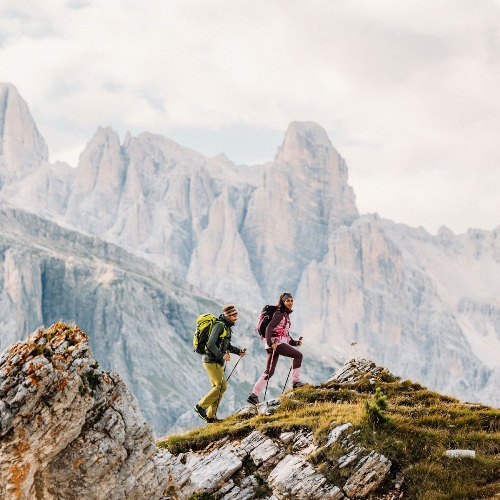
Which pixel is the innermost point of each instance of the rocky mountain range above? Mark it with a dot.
(144, 235)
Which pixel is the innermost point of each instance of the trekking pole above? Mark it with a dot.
(268, 377)
(289, 371)
(244, 350)
(220, 389)
(286, 381)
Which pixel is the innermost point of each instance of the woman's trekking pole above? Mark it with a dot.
(268, 377)
(220, 390)
(289, 371)
(287, 377)
(235, 366)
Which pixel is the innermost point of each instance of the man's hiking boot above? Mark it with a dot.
(253, 399)
(213, 420)
(298, 384)
(201, 412)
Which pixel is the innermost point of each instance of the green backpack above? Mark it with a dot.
(204, 324)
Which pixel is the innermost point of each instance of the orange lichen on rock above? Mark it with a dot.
(61, 384)
(18, 474)
(76, 463)
(19, 471)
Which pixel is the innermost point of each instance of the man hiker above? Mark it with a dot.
(217, 353)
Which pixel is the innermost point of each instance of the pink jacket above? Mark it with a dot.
(277, 330)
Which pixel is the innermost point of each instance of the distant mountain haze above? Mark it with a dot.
(144, 235)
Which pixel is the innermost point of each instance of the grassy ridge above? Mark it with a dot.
(404, 421)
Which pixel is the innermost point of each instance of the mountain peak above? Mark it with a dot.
(308, 130)
(305, 141)
(22, 148)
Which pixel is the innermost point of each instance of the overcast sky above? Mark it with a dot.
(407, 90)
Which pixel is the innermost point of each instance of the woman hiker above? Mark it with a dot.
(218, 348)
(279, 343)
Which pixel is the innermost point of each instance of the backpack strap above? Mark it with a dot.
(225, 330)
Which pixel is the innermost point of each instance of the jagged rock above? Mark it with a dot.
(294, 477)
(371, 471)
(213, 469)
(209, 472)
(69, 429)
(348, 459)
(283, 464)
(193, 472)
(260, 447)
(245, 491)
(264, 408)
(269, 406)
(173, 468)
(334, 434)
(303, 443)
(355, 369)
(287, 437)
(72, 429)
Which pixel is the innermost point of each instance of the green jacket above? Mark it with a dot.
(218, 343)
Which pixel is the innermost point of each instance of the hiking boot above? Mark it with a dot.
(213, 420)
(253, 399)
(298, 384)
(201, 412)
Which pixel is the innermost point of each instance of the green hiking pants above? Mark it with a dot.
(211, 401)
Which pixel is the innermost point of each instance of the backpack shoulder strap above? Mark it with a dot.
(223, 333)
(225, 330)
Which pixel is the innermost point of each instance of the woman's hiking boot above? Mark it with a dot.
(201, 412)
(298, 384)
(253, 399)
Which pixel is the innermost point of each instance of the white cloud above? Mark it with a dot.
(408, 91)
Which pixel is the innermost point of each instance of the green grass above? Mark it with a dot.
(402, 420)
(446, 478)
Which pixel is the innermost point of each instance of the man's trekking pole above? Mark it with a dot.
(220, 389)
(289, 371)
(244, 350)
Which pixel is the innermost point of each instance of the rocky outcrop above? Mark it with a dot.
(68, 429)
(294, 477)
(281, 467)
(370, 472)
(355, 369)
(278, 467)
